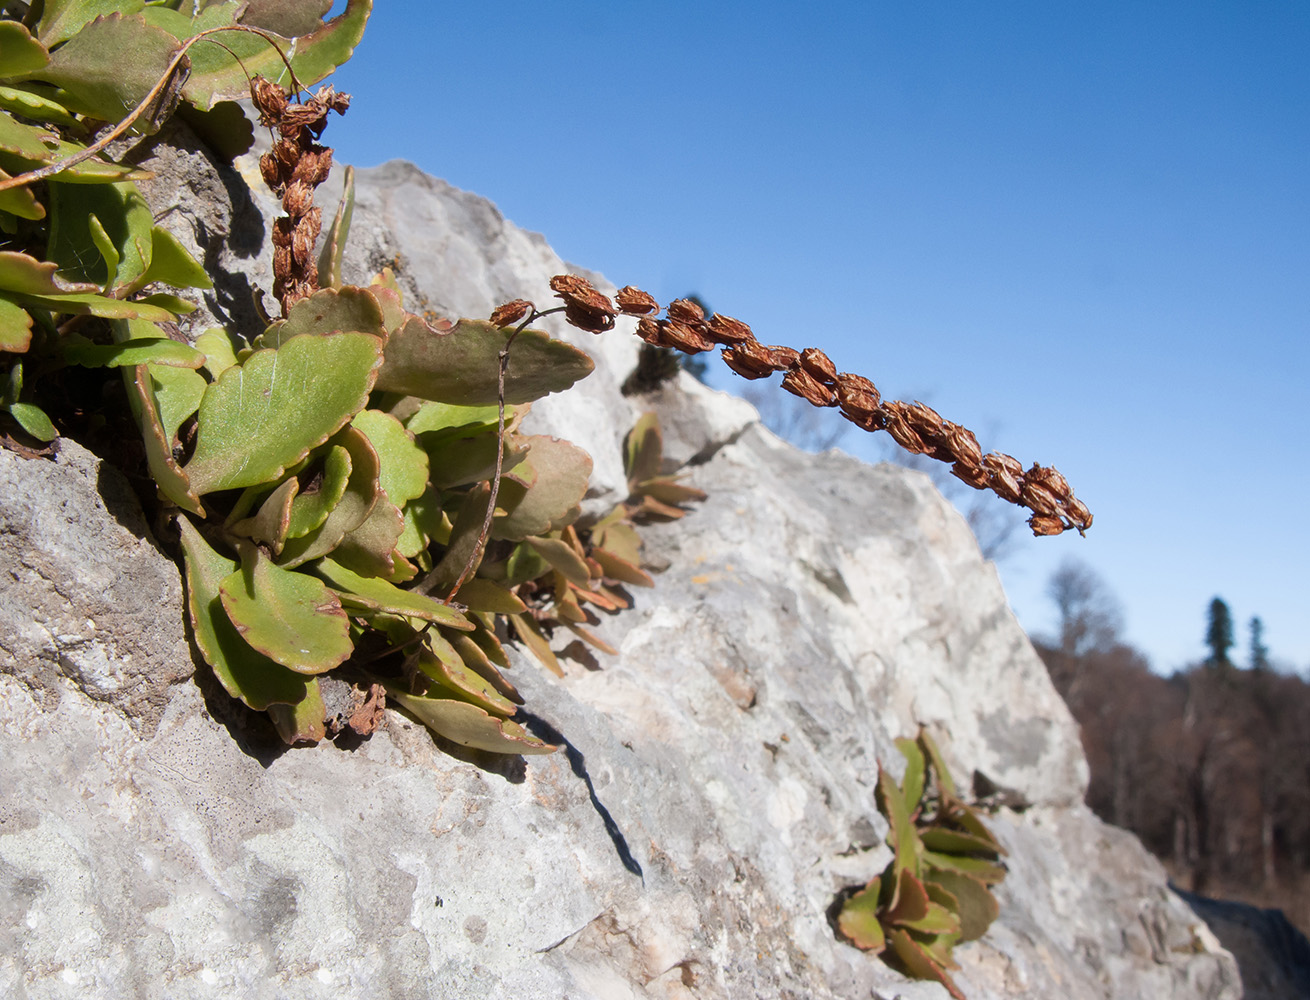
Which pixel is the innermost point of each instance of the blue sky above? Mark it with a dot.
(1081, 230)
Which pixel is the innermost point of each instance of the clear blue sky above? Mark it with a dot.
(1083, 227)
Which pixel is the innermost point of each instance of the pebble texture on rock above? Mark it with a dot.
(713, 795)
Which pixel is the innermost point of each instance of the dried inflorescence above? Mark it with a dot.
(295, 166)
(811, 375)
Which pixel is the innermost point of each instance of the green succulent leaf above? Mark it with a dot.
(644, 449)
(913, 782)
(369, 548)
(910, 902)
(486, 595)
(329, 310)
(217, 348)
(956, 842)
(901, 835)
(313, 504)
(29, 142)
(358, 498)
(562, 471)
(529, 633)
(288, 18)
(269, 525)
(90, 304)
(562, 557)
(977, 907)
(62, 19)
(525, 563)
(404, 474)
(459, 461)
(15, 326)
(462, 421)
(441, 663)
(270, 412)
(858, 919)
(22, 274)
(244, 673)
(477, 658)
(33, 420)
(985, 871)
(13, 385)
(358, 591)
(461, 365)
(20, 53)
(109, 66)
(936, 920)
(469, 725)
(292, 618)
(919, 963)
(620, 569)
(464, 535)
(302, 722)
(100, 233)
(172, 264)
(171, 480)
(78, 350)
(334, 243)
(37, 107)
(934, 755)
(20, 201)
(177, 393)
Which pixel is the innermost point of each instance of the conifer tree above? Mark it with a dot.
(1219, 634)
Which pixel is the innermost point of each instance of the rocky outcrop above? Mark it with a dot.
(713, 795)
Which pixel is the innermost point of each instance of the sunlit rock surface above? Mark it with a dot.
(713, 795)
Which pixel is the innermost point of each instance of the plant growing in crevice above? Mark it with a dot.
(936, 891)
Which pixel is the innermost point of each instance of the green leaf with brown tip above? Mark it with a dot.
(326, 486)
(20, 53)
(244, 673)
(23, 274)
(439, 661)
(910, 901)
(934, 755)
(936, 920)
(469, 725)
(919, 964)
(462, 365)
(368, 549)
(302, 722)
(20, 201)
(562, 471)
(858, 919)
(292, 618)
(476, 658)
(404, 465)
(269, 525)
(265, 415)
(984, 871)
(562, 556)
(170, 479)
(955, 842)
(377, 595)
(975, 904)
(329, 310)
(177, 393)
(621, 570)
(109, 66)
(485, 595)
(356, 504)
(902, 837)
(527, 631)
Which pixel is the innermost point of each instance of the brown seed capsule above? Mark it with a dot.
(511, 312)
(269, 98)
(726, 330)
(783, 358)
(971, 474)
(685, 338)
(818, 367)
(859, 407)
(895, 414)
(1078, 513)
(635, 302)
(926, 421)
(298, 199)
(686, 312)
(1003, 474)
(1050, 479)
(1039, 499)
(1045, 524)
(800, 382)
(749, 360)
(578, 291)
(649, 331)
(314, 166)
(961, 444)
(590, 320)
(268, 169)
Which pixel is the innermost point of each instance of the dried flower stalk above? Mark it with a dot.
(811, 375)
(294, 167)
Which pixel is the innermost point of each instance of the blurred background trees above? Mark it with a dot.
(1209, 766)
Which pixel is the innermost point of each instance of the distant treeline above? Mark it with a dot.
(1210, 767)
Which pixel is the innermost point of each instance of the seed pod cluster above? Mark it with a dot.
(810, 374)
(293, 168)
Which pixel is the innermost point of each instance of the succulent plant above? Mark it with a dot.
(935, 893)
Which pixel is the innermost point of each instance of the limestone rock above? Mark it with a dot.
(713, 795)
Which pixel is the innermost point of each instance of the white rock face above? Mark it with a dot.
(714, 793)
